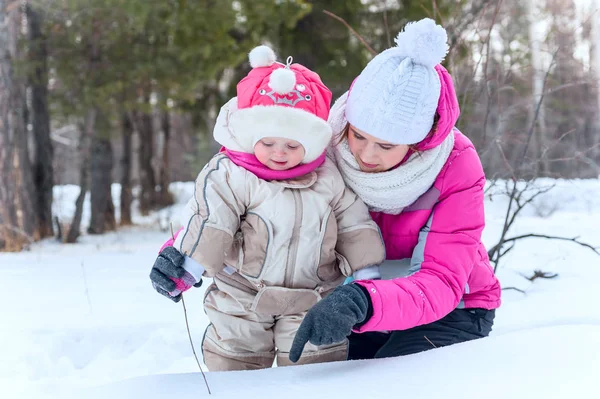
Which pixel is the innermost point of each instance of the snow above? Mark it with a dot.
(83, 321)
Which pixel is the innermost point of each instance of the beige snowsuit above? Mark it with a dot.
(274, 248)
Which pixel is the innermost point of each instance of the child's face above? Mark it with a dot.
(374, 155)
(278, 153)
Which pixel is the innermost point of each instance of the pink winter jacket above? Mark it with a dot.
(441, 235)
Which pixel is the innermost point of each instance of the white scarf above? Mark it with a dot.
(388, 192)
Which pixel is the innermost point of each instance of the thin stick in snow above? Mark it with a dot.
(87, 293)
(187, 324)
(432, 344)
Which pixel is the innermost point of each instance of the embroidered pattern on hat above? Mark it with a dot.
(284, 100)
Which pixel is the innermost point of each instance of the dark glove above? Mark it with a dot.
(169, 277)
(332, 319)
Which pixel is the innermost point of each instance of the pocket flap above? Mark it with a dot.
(284, 301)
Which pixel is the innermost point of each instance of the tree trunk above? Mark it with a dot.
(8, 213)
(538, 119)
(86, 133)
(164, 196)
(147, 179)
(101, 179)
(26, 214)
(17, 217)
(126, 193)
(595, 57)
(25, 194)
(44, 154)
(110, 221)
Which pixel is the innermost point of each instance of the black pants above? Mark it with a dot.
(460, 325)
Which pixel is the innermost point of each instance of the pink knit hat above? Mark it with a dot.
(276, 100)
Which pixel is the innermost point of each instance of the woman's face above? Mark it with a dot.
(374, 155)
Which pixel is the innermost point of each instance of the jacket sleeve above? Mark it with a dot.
(447, 249)
(359, 239)
(212, 216)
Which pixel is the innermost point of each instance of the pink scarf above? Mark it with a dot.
(252, 164)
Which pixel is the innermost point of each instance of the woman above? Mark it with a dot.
(423, 181)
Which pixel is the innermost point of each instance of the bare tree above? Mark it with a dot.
(466, 18)
(86, 132)
(126, 191)
(44, 153)
(538, 85)
(17, 216)
(22, 171)
(164, 196)
(145, 130)
(8, 214)
(595, 57)
(102, 207)
(522, 193)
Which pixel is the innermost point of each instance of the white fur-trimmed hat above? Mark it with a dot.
(395, 97)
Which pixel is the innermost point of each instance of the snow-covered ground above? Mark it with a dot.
(85, 315)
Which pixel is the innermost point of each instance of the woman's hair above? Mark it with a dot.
(413, 147)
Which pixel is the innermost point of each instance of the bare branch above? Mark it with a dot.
(436, 12)
(540, 274)
(492, 183)
(517, 202)
(485, 67)
(506, 162)
(515, 289)
(533, 235)
(363, 41)
(187, 324)
(501, 254)
(385, 24)
(467, 18)
(427, 12)
(537, 111)
(528, 201)
(515, 195)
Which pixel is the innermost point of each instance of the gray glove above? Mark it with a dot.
(332, 319)
(169, 277)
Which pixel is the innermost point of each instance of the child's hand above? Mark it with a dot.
(174, 273)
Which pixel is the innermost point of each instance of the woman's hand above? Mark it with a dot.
(331, 319)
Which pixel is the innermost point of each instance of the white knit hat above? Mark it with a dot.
(396, 95)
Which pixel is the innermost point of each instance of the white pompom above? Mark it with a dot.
(261, 56)
(282, 80)
(424, 42)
